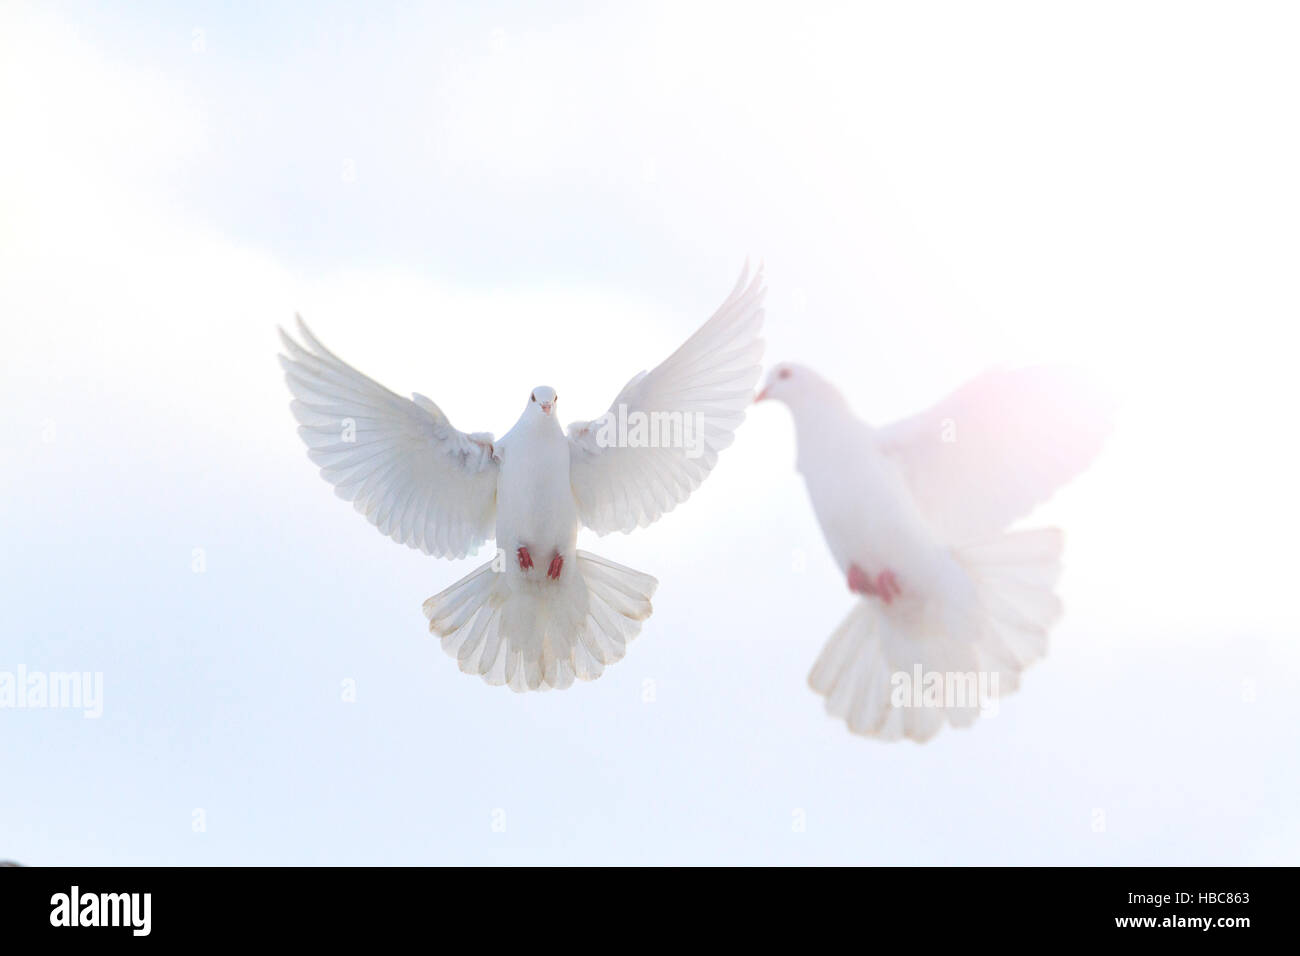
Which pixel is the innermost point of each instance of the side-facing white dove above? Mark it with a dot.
(916, 516)
(542, 612)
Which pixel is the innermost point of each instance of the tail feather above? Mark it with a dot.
(869, 668)
(542, 634)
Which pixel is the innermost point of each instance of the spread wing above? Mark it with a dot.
(661, 437)
(998, 446)
(398, 460)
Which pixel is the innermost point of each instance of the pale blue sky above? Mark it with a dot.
(467, 202)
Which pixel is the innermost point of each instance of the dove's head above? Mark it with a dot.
(798, 386)
(543, 398)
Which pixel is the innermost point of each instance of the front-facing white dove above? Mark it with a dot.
(542, 612)
(953, 605)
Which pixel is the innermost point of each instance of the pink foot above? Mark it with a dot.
(553, 572)
(525, 559)
(860, 582)
(884, 585)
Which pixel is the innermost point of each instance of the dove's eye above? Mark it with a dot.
(533, 397)
(784, 373)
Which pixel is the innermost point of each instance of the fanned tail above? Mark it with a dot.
(869, 669)
(541, 634)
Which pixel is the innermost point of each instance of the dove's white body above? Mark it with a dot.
(535, 506)
(863, 506)
(928, 501)
(867, 513)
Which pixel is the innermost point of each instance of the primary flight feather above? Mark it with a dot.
(541, 613)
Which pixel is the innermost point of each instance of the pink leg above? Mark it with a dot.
(887, 585)
(525, 559)
(553, 572)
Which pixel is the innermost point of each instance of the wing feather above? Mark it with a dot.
(709, 381)
(998, 447)
(398, 460)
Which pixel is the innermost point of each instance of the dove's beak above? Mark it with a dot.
(761, 396)
(547, 406)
